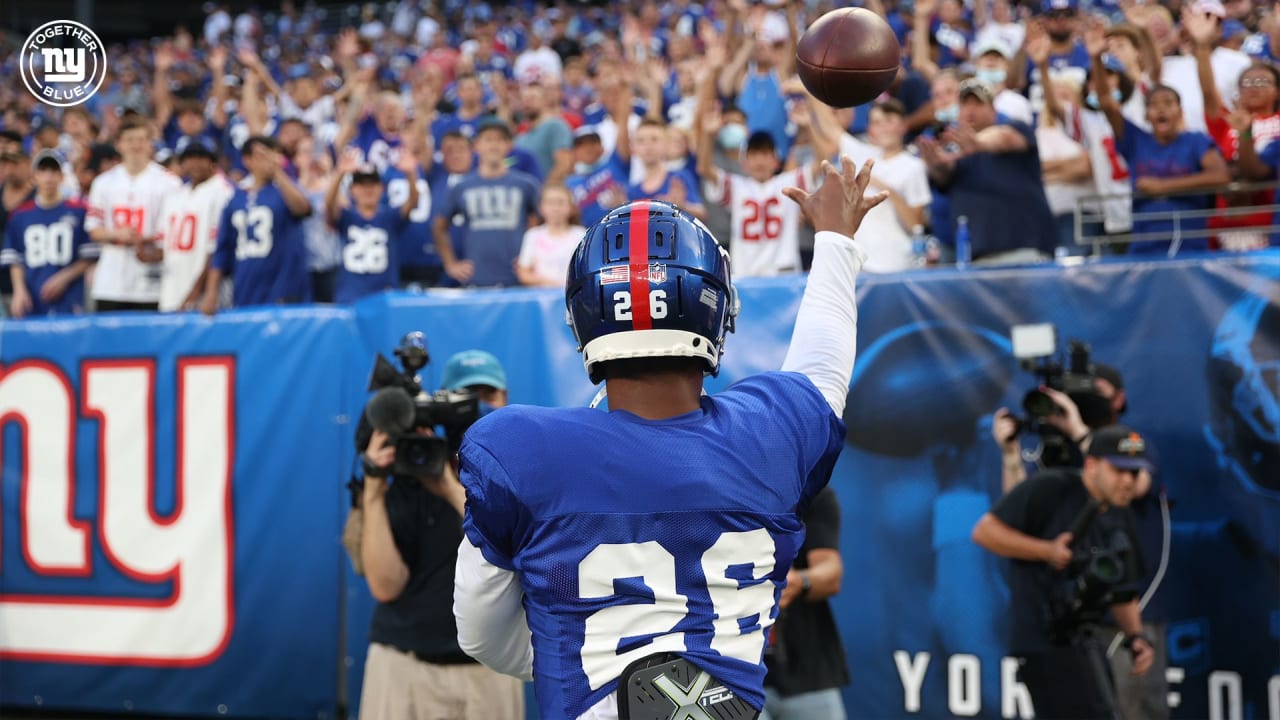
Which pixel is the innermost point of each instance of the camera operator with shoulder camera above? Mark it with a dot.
(411, 508)
(1074, 546)
(1074, 399)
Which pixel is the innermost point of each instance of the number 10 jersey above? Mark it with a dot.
(633, 537)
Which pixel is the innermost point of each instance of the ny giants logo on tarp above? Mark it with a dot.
(189, 549)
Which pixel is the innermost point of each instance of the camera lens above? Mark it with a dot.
(1038, 405)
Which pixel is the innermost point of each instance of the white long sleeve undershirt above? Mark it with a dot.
(825, 339)
(488, 605)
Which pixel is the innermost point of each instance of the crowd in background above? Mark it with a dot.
(467, 145)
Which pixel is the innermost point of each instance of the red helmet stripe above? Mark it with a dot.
(638, 259)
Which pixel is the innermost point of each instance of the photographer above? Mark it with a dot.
(1074, 544)
(1108, 385)
(408, 548)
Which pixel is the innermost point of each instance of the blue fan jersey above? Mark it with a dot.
(44, 241)
(376, 147)
(601, 189)
(260, 244)
(370, 253)
(417, 247)
(633, 537)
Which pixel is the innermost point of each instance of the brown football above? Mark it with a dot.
(848, 57)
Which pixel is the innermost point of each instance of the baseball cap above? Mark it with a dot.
(1233, 29)
(47, 159)
(493, 122)
(993, 45)
(586, 131)
(366, 173)
(1121, 446)
(474, 367)
(1048, 6)
(1212, 7)
(973, 87)
(196, 147)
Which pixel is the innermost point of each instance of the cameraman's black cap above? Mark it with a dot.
(1110, 374)
(1121, 446)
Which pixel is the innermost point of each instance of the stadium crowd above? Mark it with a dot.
(269, 158)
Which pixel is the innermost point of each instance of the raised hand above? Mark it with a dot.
(1095, 37)
(349, 161)
(407, 163)
(217, 59)
(348, 45)
(1201, 26)
(1240, 120)
(163, 58)
(1036, 45)
(841, 203)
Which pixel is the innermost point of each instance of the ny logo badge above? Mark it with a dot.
(63, 64)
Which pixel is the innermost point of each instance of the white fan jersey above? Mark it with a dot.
(765, 240)
(118, 199)
(189, 235)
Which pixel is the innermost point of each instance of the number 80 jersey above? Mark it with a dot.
(633, 537)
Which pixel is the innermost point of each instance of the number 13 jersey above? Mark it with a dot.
(632, 537)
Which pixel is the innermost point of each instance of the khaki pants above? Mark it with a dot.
(400, 687)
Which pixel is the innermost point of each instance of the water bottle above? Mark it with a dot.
(919, 247)
(964, 252)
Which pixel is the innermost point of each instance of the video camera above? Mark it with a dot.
(1097, 574)
(400, 407)
(1036, 347)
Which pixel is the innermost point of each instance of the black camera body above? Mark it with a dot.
(1076, 378)
(1094, 579)
(403, 409)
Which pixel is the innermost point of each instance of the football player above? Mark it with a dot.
(640, 552)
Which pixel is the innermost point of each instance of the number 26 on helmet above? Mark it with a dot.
(649, 280)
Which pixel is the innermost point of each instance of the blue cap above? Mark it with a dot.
(1047, 6)
(1233, 28)
(474, 367)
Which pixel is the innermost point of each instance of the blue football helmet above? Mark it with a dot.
(649, 280)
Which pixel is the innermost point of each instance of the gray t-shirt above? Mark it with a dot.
(544, 139)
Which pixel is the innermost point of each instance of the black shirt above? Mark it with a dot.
(427, 531)
(1045, 506)
(806, 655)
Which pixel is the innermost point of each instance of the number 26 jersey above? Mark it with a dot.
(633, 537)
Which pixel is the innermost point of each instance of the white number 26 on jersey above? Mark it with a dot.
(655, 567)
(622, 304)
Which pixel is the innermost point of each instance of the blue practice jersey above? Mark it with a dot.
(495, 214)
(370, 253)
(601, 189)
(44, 241)
(633, 537)
(261, 246)
(417, 248)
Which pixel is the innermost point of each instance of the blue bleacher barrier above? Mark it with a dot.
(173, 492)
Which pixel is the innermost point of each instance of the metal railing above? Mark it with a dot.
(1089, 212)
